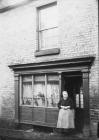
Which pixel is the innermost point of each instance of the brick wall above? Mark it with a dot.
(18, 41)
(94, 98)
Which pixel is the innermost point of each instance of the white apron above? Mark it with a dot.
(66, 118)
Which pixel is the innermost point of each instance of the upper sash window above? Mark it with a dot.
(48, 27)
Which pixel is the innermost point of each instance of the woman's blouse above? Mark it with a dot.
(67, 102)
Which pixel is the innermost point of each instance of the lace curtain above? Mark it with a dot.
(52, 94)
(27, 93)
(39, 94)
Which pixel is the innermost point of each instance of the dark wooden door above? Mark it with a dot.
(73, 84)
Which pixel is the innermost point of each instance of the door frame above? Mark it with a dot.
(74, 79)
(85, 85)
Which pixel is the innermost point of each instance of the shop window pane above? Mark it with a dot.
(52, 91)
(52, 94)
(39, 78)
(27, 78)
(39, 91)
(27, 93)
(40, 94)
(77, 100)
(53, 77)
(81, 98)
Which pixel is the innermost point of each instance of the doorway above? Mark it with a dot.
(72, 82)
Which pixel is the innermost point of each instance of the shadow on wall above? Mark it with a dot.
(7, 112)
(13, 6)
(7, 123)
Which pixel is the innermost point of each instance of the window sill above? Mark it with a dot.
(35, 107)
(47, 52)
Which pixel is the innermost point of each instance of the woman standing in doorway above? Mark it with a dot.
(66, 112)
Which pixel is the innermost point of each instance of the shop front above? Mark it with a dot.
(38, 89)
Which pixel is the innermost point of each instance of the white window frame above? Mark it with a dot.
(39, 48)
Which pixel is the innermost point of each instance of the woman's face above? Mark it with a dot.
(65, 94)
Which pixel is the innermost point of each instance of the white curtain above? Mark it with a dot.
(27, 93)
(39, 94)
(52, 94)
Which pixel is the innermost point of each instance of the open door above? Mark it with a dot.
(73, 84)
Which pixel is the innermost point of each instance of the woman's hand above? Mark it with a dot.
(62, 107)
(67, 107)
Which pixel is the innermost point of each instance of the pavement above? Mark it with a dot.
(8, 134)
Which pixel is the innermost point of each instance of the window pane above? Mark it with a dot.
(48, 17)
(49, 39)
(77, 100)
(27, 93)
(53, 77)
(52, 91)
(27, 78)
(39, 78)
(39, 92)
